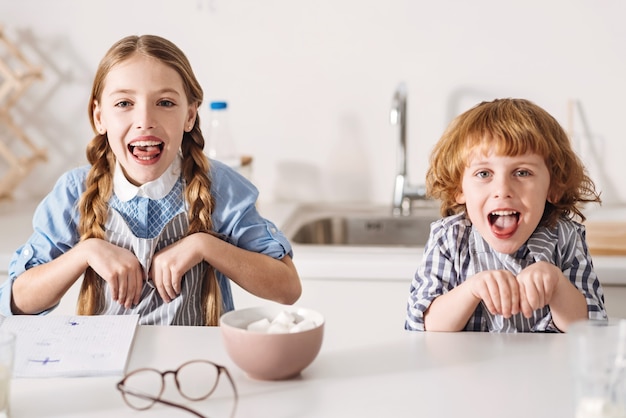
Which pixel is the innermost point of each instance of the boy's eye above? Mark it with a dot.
(482, 174)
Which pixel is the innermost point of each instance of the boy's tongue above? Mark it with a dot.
(504, 224)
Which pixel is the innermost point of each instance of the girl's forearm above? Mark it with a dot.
(257, 273)
(42, 287)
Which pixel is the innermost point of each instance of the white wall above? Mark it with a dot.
(310, 82)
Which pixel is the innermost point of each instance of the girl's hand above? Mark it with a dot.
(537, 284)
(119, 268)
(499, 290)
(172, 262)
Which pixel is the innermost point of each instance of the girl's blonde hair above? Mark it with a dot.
(93, 205)
(510, 127)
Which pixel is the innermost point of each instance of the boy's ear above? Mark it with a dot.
(459, 197)
(553, 196)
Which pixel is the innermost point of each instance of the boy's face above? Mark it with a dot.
(505, 197)
(144, 111)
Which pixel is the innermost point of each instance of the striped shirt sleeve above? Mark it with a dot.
(439, 269)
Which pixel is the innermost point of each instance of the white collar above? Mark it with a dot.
(156, 189)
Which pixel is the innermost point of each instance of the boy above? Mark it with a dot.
(507, 256)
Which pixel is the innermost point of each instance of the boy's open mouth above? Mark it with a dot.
(504, 222)
(145, 150)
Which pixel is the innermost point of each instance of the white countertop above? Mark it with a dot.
(399, 374)
(365, 368)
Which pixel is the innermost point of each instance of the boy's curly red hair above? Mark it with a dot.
(510, 127)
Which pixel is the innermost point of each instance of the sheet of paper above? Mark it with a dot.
(71, 345)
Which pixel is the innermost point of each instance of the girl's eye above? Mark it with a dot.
(166, 103)
(522, 173)
(482, 174)
(123, 103)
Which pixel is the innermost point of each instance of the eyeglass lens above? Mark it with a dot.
(142, 388)
(195, 380)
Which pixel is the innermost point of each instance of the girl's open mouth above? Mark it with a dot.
(503, 222)
(145, 150)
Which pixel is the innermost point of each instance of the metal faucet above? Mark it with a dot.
(403, 192)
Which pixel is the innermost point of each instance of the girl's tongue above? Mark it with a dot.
(504, 223)
(146, 150)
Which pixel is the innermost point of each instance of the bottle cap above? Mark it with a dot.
(218, 105)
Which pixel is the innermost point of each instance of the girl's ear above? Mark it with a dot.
(97, 118)
(192, 112)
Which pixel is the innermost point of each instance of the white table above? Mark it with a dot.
(402, 374)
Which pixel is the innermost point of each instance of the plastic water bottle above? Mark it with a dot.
(220, 142)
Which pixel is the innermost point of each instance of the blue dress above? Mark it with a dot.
(146, 225)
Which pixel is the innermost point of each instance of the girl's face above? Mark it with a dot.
(505, 197)
(144, 112)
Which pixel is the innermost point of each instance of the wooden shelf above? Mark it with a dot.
(16, 75)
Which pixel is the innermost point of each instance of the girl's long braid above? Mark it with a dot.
(195, 168)
(93, 215)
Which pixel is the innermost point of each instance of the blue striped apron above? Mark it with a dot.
(186, 308)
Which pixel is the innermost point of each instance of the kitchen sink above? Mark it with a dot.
(359, 225)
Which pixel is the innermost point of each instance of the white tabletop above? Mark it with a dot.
(404, 374)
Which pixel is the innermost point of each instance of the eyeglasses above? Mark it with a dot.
(195, 380)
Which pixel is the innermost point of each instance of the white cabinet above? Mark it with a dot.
(350, 307)
(615, 300)
(362, 305)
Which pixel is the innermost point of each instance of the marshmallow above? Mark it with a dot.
(278, 328)
(285, 322)
(262, 325)
(285, 318)
(304, 325)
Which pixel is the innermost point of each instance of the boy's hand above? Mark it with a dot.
(507, 295)
(537, 284)
(499, 290)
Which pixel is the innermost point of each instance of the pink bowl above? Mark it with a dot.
(266, 356)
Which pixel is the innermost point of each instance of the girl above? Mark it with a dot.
(155, 229)
(507, 256)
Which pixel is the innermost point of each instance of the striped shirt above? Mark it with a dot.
(455, 251)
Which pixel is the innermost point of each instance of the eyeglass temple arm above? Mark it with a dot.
(232, 383)
(163, 401)
(186, 408)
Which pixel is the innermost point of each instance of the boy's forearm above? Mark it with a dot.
(568, 305)
(450, 311)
